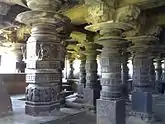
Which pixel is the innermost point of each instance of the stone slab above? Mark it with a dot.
(110, 111)
(5, 101)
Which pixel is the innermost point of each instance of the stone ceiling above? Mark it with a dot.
(77, 12)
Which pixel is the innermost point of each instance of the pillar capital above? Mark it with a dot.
(91, 48)
(141, 44)
(48, 5)
(104, 11)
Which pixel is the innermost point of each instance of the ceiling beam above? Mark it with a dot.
(158, 19)
(143, 4)
(77, 14)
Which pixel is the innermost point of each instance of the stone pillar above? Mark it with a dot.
(82, 70)
(142, 88)
(71, 73)
(44, 55)
(92, 89)
(82, 75)
(125, 75)
(111, 105)
(159, 86)
(163, 72)
(152, 75)
(158, 69)
(5, 102)
(20, 64)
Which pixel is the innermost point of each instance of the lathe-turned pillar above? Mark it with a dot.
(71, 72)
(125, 74)
(92, 89)
(142, 88)
(20, 64)
(82, 70)
(5, 102)
(152, 75)
(163, 78)
(158, 69)
(44, 55)
(111, 105)
(82, 75)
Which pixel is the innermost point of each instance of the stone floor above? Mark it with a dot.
(18, 116)
(67, 115)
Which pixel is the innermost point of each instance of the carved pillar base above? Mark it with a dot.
(111, 105)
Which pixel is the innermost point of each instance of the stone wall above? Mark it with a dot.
(15, 83)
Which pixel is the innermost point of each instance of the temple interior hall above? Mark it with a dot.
(82, 61)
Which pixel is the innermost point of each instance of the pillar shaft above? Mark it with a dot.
(92, 89)
(163, 73)
(152, 75)
(91, 70)
(82, 75)
(158, 70)
(82, 70)
(125, 70)
(71, 73)
(44, 74)
(125, 75)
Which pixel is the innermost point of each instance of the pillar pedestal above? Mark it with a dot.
(44, 58)
(111, 105)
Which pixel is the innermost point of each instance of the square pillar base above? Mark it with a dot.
(80, 89)
(142, 103)
(90, 96)
(159, 106)
(110, 111)
(41, 110)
